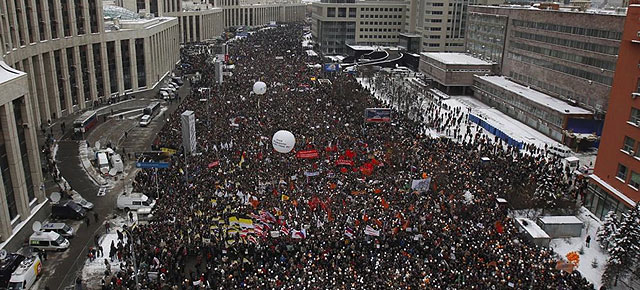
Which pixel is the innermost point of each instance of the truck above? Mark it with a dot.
(26, 274)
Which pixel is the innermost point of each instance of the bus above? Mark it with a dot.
(85, 122)
(152, 109)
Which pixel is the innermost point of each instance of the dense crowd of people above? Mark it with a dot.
(348, 218)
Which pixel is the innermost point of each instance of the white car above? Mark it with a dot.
(145, 120)
(134, 201)
(77, 198)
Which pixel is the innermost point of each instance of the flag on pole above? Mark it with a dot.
(348, 232)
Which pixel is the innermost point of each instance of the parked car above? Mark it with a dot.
(67, 209)
(7, 265)
(77, 198)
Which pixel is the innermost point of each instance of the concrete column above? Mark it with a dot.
(118, 61)
(67, 85)
(51, 79)
(148, 64)
(79, 82)
(72, 17)
(41, 92)
(5, 220)
(87, 18)
(15, 162)
(33, 93)
(105, 70)
(91, 67)
(23, 20)
(30, 132)
(134, 64)
(34, 19)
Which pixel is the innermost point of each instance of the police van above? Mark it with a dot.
(26, 274)
(48, 241)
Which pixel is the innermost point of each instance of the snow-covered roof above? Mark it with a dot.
(560, 220)
(613, 190)
(535, 96)
(8, 73)
(361, 47)
(455, 58)
(532, 228)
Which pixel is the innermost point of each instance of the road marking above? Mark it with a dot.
(103, 191)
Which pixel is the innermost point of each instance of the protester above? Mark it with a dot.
(315, 224)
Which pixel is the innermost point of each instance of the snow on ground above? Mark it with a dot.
(510, 126)
(594, 251)
(94, 270)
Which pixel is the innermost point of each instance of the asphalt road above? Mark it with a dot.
(62, 268)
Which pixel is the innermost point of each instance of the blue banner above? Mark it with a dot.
(331, 67)
(152, 165)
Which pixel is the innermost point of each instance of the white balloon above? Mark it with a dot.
(259, 88)
(283, 141)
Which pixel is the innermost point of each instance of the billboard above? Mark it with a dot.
(331, 67)
(153, 159)
(377, 115)
(188, 119)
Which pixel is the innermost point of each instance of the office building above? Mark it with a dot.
(441, 23)
(615, 184)
(259, 12)
(21, 194)
(74, 59)
(336, 23)
(568, 54)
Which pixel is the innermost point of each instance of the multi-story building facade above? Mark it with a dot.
(202, 20)
(615, 184)
(21, 194)
(73, 58)
(441, 23)
(336, 23)
(570, 55)
(258, 12)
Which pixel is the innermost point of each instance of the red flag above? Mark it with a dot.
(350, 154)
(384, 203)
(365, 217)
(213, 164)
(499, 227)
(378, 222)
(343, 170)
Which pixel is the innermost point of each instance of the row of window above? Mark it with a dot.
(590, 61)
(381, 16)
(379, 23)
(612, 50)
(379, 36)
(380, 29)
(40, 15)
(623, 174)
(342, 12)
(381, 9)
(605, 80)
(592, 32)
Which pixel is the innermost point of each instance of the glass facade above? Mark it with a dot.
(142, 76)
(84, 72)
(600, 202)
(54, 21)
(61, 81)
(73, 83)
(97, 67)
(111, 54)
(126, 63)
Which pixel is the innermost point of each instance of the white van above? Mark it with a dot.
(51, 241)
(134, 201)
(116, 162)
(571, 162)
(26, 274)
(103, 162)
(560, 151)
(145, 120)
(60, 228)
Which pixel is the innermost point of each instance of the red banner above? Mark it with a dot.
(344, 162)
(214, 164)
(307, 154)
